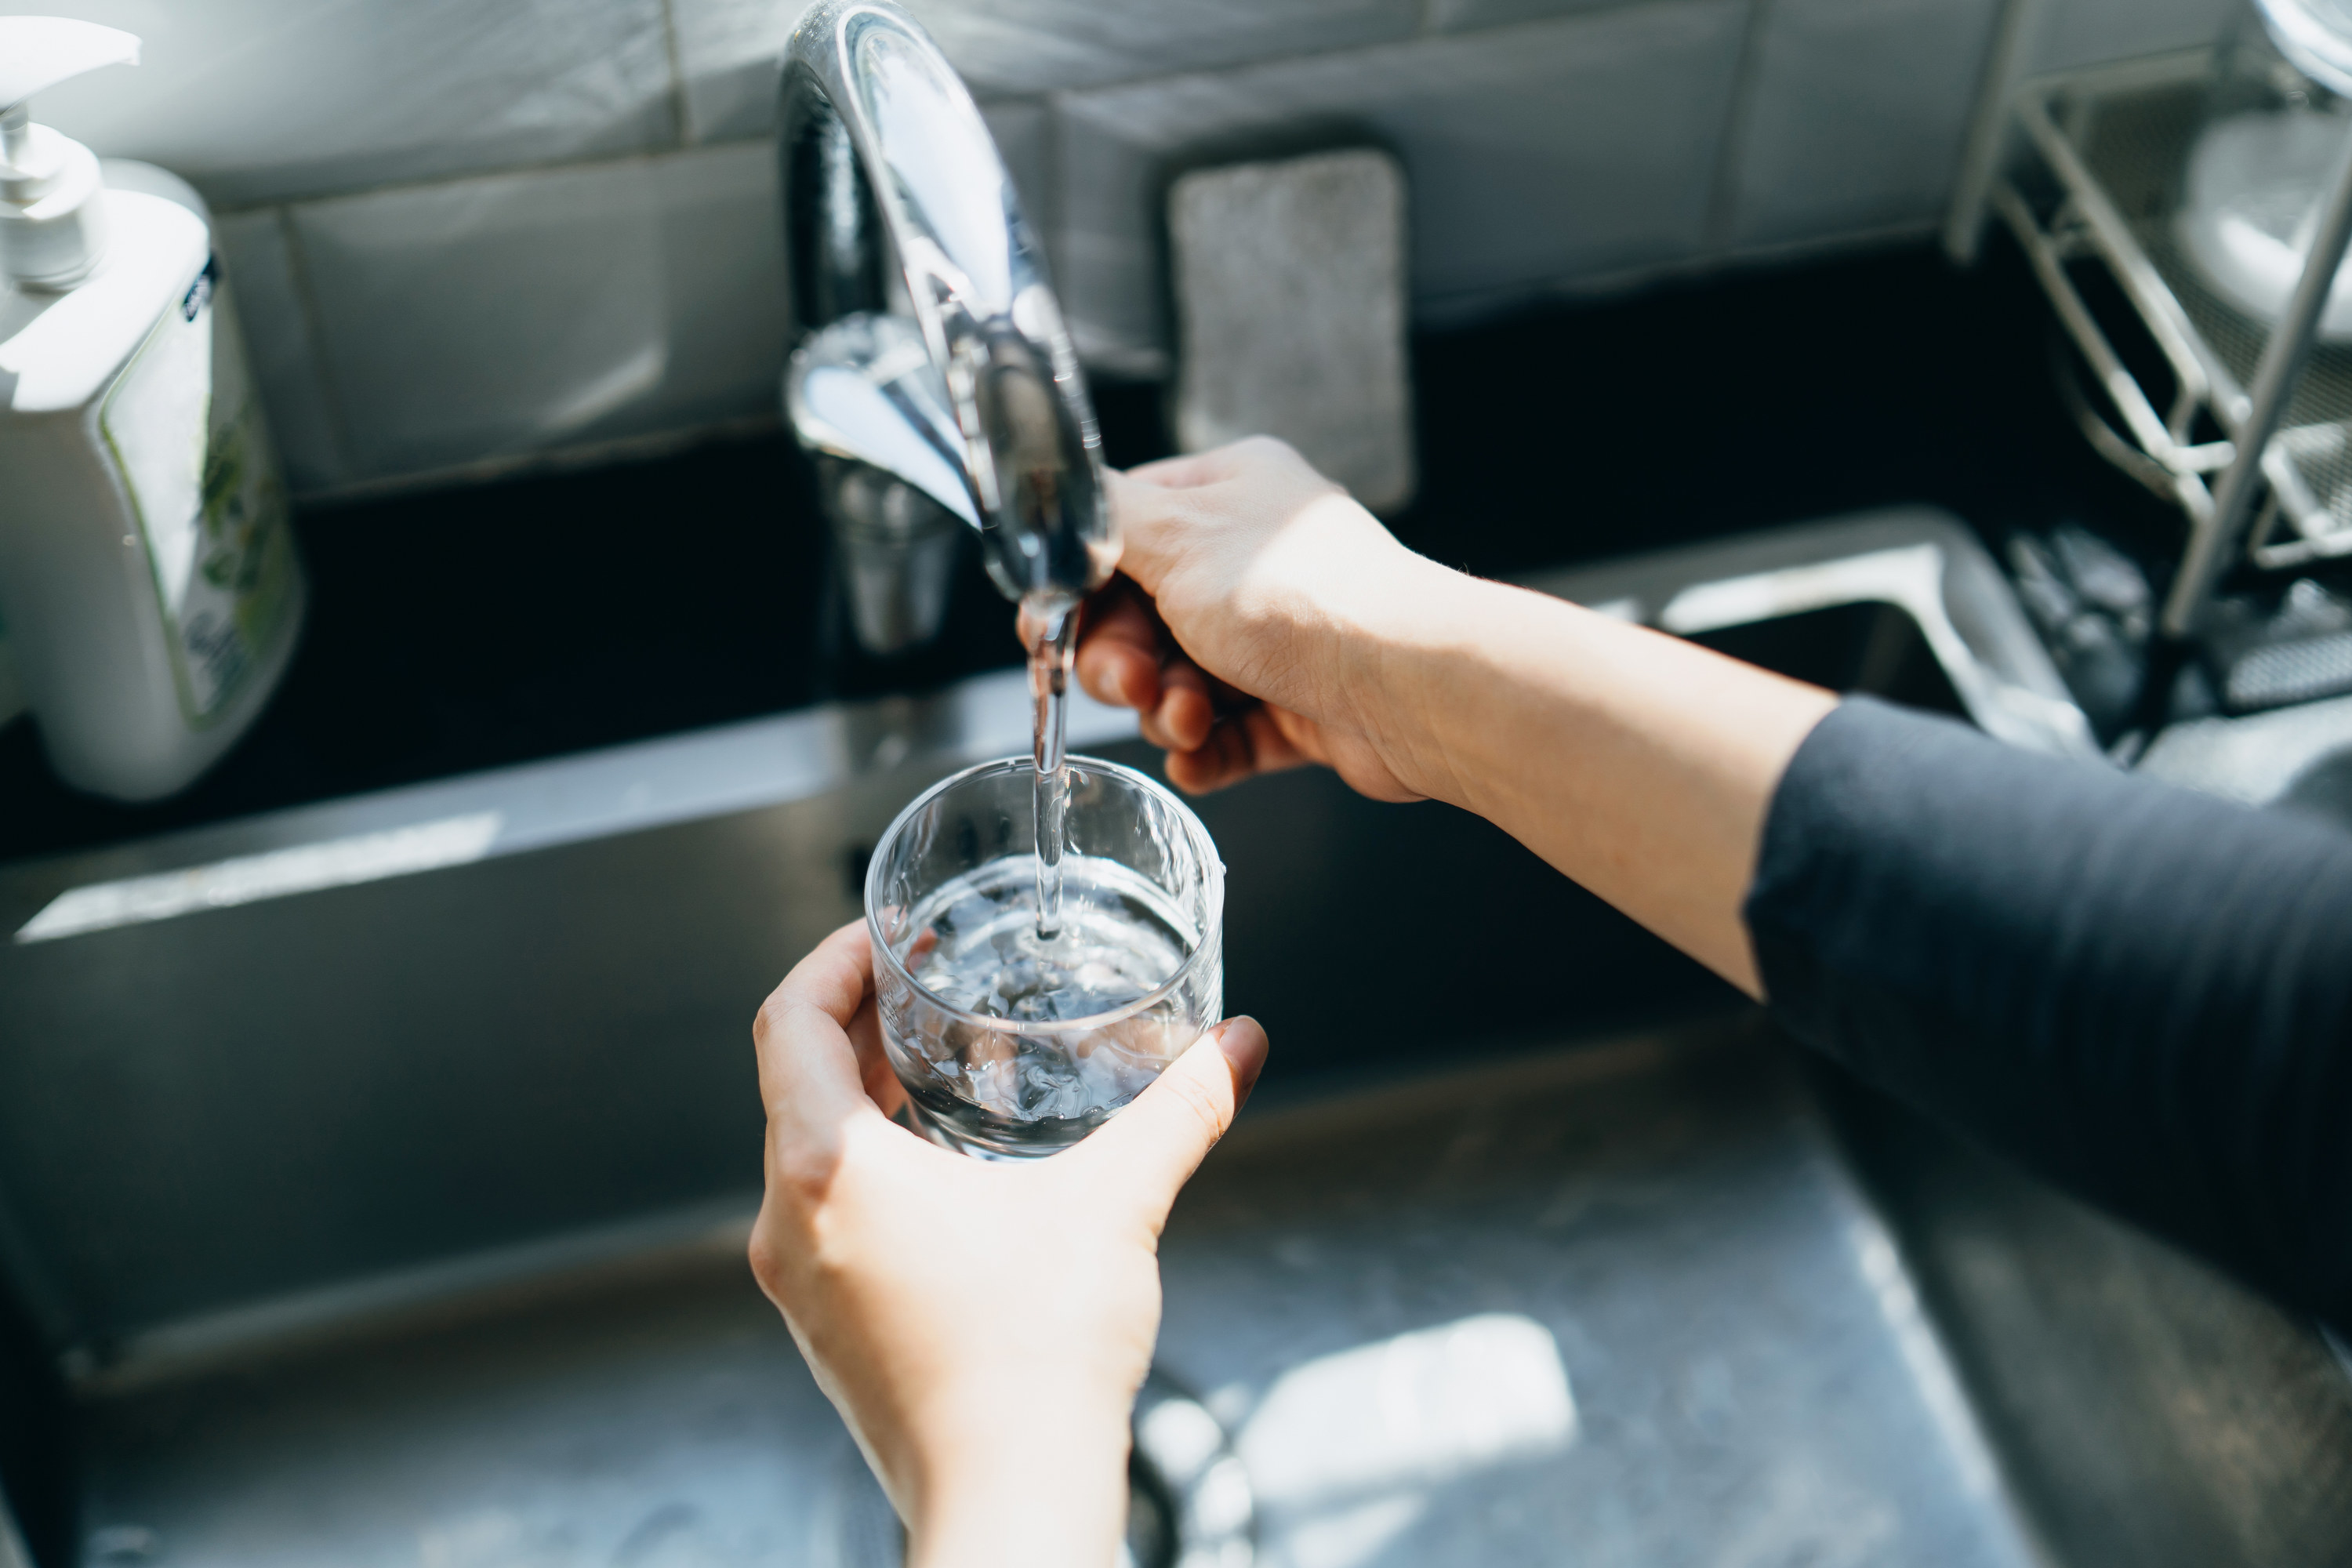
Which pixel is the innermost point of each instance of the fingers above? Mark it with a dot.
(1158, 519)
(1147, 1151)
(1120, 649)
(874, 1069)
(1185, 713)
(1242, 744)
(810, 1076)
(1124, 660)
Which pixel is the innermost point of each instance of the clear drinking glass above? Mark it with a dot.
(1013, 1045)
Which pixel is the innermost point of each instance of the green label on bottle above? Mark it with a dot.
(194, 456)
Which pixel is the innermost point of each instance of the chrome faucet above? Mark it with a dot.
(932, 377)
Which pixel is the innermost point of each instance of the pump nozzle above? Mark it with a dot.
(52, 227)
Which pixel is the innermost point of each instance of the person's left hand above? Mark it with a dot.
(983, 1328)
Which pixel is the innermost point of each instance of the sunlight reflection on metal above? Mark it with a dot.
(276, 874)
(1357, 1534)
(1931, 1372)
(1417, 1410)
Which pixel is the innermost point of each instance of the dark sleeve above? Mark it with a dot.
(2146, 993)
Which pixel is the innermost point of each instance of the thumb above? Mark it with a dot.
(1155, 521)
(1151, 1149)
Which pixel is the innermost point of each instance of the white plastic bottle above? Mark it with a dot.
(148, 579)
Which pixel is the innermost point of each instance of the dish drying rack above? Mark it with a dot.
(2096, 187)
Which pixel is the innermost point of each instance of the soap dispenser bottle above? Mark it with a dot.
(148, 578)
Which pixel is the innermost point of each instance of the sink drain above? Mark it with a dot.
(1189, 1500)
(1185, 1475)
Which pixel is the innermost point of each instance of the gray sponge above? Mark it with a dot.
(1291, 303)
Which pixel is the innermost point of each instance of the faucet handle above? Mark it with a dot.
(897, 204)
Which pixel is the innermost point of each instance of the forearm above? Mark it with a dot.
(1639, 765)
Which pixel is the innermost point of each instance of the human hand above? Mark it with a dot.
(1252, 592)
(982, 1328)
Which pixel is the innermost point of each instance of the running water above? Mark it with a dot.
(1049, 988)
(974, 946)
(973, 943)
(1049, 684)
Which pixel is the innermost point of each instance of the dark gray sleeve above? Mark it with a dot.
(2144, 992)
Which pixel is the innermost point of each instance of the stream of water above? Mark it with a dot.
(1057, 621)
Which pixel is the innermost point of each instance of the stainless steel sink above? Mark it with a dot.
(1622, 1303)
(378, 1174)
(2291, 759)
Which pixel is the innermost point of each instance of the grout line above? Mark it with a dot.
(978, 90)
(298, 262)
(1454, 308)
(680, 113)
(572, 459)
(473, 176)
(1449, 310)
(1440, 312)
(1435, 35)
(2017, 24)
(1043, 212)
(1056, 162)
(1723, 199)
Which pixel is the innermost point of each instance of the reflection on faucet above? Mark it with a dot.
(903, 233)
(863, 390)
(865, 404)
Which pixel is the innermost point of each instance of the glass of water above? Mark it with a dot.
(1011, 1044)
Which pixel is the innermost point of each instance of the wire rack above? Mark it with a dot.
(2098, 187)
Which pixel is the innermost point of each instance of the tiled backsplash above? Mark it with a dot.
(1578, 147)
(471, 230)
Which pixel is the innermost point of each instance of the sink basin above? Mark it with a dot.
(2290, 759)
(1627, 1296)
(374, 1178)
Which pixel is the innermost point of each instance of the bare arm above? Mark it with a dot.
(910, 1277)
(1267, 621)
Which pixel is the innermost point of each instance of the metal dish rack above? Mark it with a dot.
(2097, 184)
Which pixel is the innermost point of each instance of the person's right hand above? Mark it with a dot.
(1251, 591)
(1262, 619)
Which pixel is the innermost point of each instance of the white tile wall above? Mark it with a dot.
(2084, 32)
(1855, 115)
(1461, 16)
(253, 99)
(1580, 146)
(286, 365)
(471, 228)
(1025, 132)
(488, 316)
(728, 47)
(507, 314)
(722, 251)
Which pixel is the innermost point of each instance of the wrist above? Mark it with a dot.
(1390, 649)
(1022, 1484)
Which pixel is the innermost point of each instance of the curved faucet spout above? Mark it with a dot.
(898, 204)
